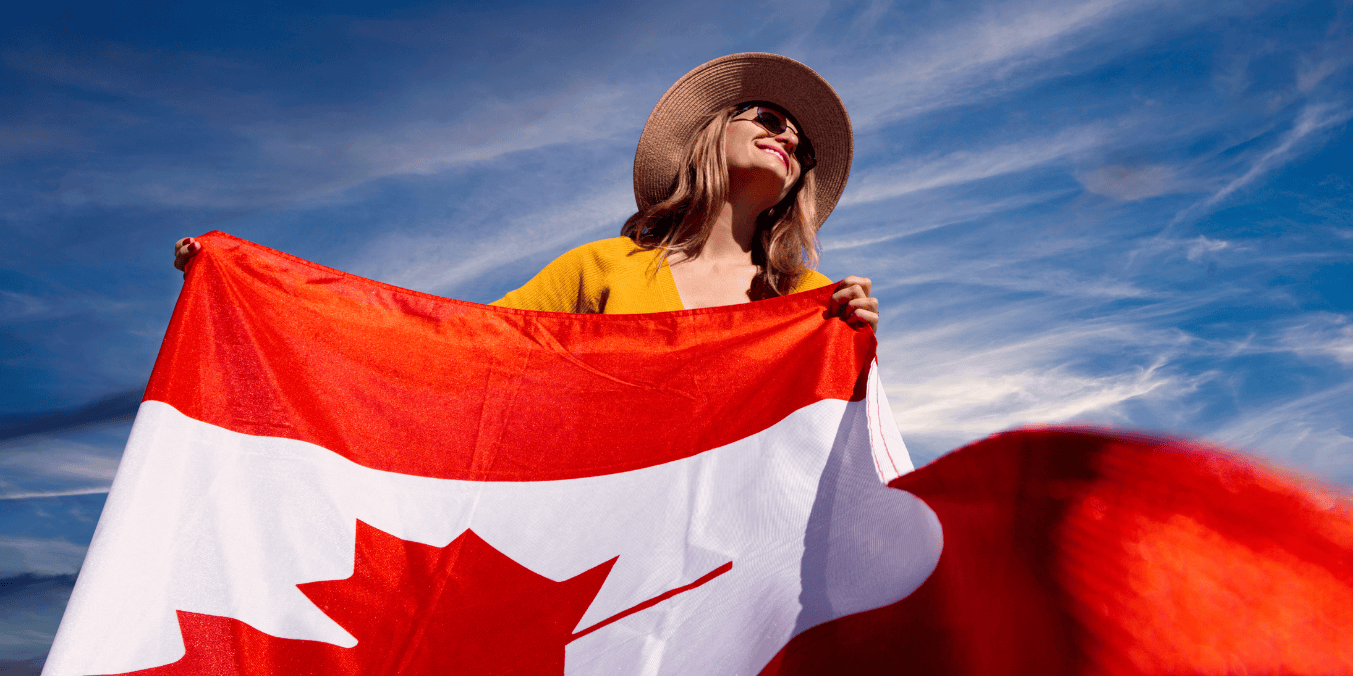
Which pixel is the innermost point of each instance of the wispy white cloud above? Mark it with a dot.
(98, 490)
(1321, 336)
(38, 464)
(39, 556)
(1132, 182)
(1307, 432)
(1232, 77)
(1313, 118)
(958, 382)
(1146, 256)
(23, 307)
(442, 132)
(277, 156)
(321, 155)
(1311, 72)
(974, 402)
(913, 214)
(34, 139)
(1202, 246)
(964, 166)
(439, 263)
(587, 113)
(997, 49)
(865, 21)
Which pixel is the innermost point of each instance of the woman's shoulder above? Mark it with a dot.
(579, 279)
(608, 253)
(611, 246)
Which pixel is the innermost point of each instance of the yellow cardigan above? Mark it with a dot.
(611, 276)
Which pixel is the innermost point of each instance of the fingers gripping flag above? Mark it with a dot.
(333, 476)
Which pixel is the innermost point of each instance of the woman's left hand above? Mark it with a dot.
(854, 304)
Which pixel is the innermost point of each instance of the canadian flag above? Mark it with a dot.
(329, 475)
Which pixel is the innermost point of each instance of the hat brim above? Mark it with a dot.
(740, 78)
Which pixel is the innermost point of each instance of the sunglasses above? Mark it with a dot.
(776, 123)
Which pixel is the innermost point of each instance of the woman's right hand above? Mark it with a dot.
(185, 249)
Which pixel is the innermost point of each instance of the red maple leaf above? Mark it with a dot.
(465, 608)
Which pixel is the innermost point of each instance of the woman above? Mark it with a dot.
(731, 193)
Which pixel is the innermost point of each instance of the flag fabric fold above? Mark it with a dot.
(329, 475)
(1085, 551)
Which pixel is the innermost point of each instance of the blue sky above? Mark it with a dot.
(1133, 213)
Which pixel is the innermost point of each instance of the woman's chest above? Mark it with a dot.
(712, 285)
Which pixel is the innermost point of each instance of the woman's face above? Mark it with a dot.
(759, 160)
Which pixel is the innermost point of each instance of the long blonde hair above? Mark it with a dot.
(785, 246)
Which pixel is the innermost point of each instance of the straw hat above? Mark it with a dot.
(740, 78)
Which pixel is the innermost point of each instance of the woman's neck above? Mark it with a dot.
(732, 234)
(722, 272)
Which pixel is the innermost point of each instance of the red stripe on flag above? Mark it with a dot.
(268, 344)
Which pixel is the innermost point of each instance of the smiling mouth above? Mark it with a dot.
(784, 157)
